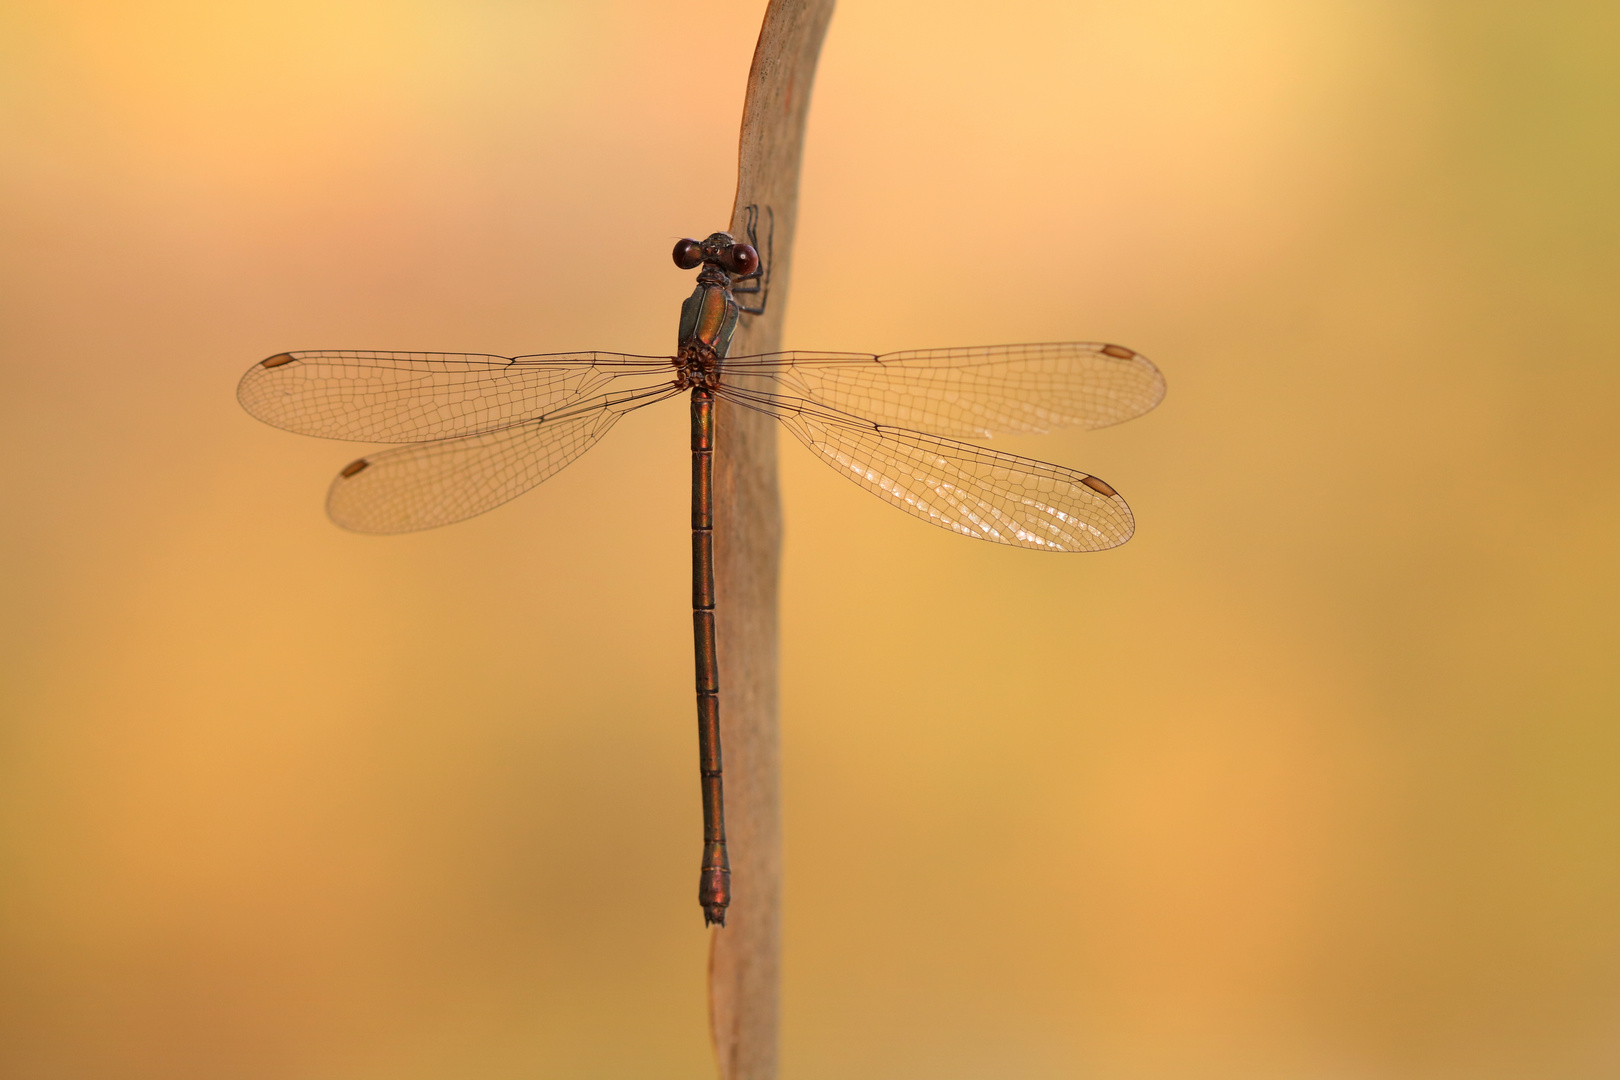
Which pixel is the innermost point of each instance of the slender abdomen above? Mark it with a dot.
(714, 883)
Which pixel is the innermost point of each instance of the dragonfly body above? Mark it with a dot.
(478, 430)
(708, 319)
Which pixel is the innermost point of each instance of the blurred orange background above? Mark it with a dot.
(1315, 778)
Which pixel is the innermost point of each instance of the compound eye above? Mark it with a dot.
(688, 253)
(742, 260)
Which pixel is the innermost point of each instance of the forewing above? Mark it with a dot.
(430, 484)
(397, 397)
(964, 488)
(967, 393)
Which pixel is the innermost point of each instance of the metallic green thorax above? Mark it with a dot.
(708, 316)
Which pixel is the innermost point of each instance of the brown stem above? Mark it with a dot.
(745, 954)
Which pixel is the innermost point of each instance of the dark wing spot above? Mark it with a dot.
(278, 359)
(355, 466)
(1118, 352)
(1091, 482)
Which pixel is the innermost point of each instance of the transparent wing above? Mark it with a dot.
(430, 484)
(967, 393)
(964, 488)
(416, 397)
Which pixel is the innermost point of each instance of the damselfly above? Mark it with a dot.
(480, 430)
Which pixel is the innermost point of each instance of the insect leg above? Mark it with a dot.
(760, 279)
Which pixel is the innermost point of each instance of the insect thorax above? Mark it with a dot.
(709, 316)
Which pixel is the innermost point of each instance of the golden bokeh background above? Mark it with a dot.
(1313, 780)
